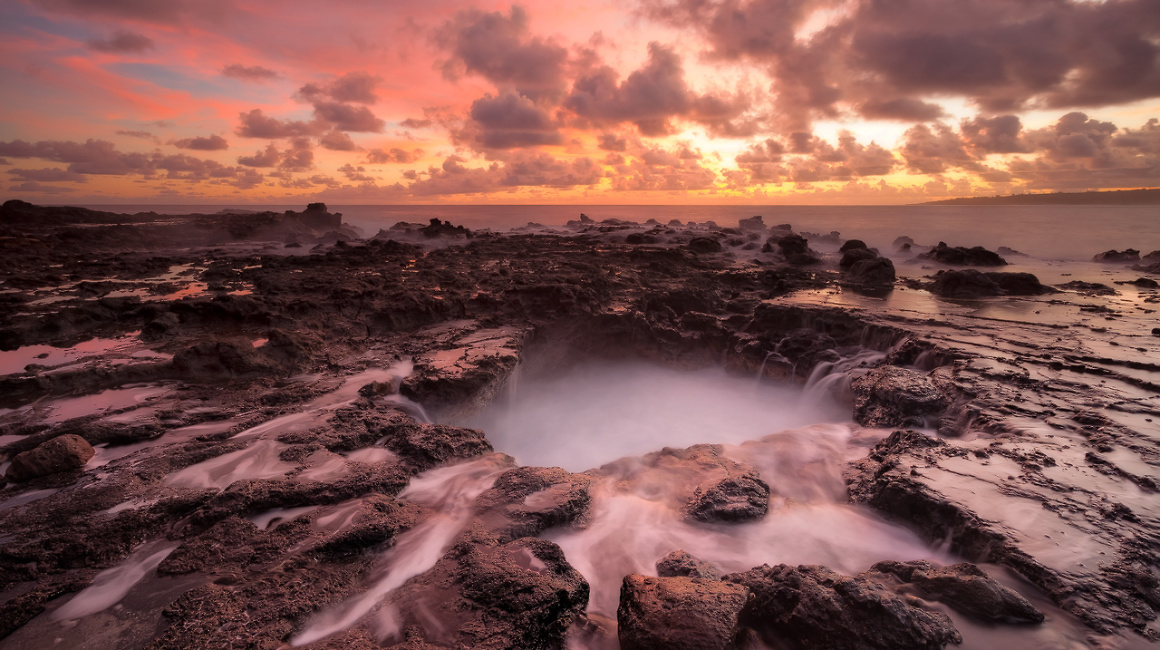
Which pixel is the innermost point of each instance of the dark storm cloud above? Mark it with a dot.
(657, 169)
(356, 87)
(933, 149)
(89, 157)
(298, 157)
(499, 48)
(509, 121)
(268, 157)
(887, 58)
(346, 117)
(904, 109)
(383, 157)
(102, 158)
(521, 170)
(336, 140)
(202, 143)
(1000, 134)
(356, 174)
(612, 142)
(256, 124)
(47, 175)
(649, 97)
(144, 135)
(122, 42)
(249, 72)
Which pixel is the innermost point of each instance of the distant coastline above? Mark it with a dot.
(1111, 197)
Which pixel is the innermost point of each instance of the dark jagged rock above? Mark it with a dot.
(853, 244)
(795, 249)
(752, 223)
(816, 608)
(428, 445)
(876, 271)
(733, 499)
(962, 256)
(60, 454)
(970, 283)
(518, 595)
(852, 256)
(704, 245)
(889, 396)
(681, 564)
(1126, 255)
(965, 588)
(526, 501)
(220, 358)
(678, 613)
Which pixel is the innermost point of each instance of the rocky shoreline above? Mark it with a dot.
(238, 430)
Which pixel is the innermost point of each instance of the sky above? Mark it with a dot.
(601, 102)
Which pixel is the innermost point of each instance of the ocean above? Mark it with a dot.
(1043, 232)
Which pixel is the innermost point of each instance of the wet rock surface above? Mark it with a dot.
(966, 589)
(890, 396)
(59, 454)
(812, 607)
(679, 612)
(236, 435)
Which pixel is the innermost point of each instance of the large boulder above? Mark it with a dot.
(678, 613)
(60, 454)
(1126, 255)
(822, 610)
(852, 256)
(877, 271)
(970, 283)
(965, 588)
(962, 256)
(889, 396)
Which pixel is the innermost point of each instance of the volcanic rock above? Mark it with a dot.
(518, 595)
(969, 283)
(965, 588)
(853, 244)
(704, 245)
(852, 256)
(820, 609)
(681, 564)
(889, 396)
(961, 256)
(678, 613)
(752, 223)
(60, 454)
(526, 501)
(428, 445)
(876, 271)
(733, 499)
(1126, 255)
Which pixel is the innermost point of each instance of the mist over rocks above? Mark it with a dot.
(285, 436)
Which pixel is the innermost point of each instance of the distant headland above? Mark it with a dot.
(1113, 197)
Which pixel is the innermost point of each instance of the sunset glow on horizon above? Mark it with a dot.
(614, 102)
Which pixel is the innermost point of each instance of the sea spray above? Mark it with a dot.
(599, 412)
